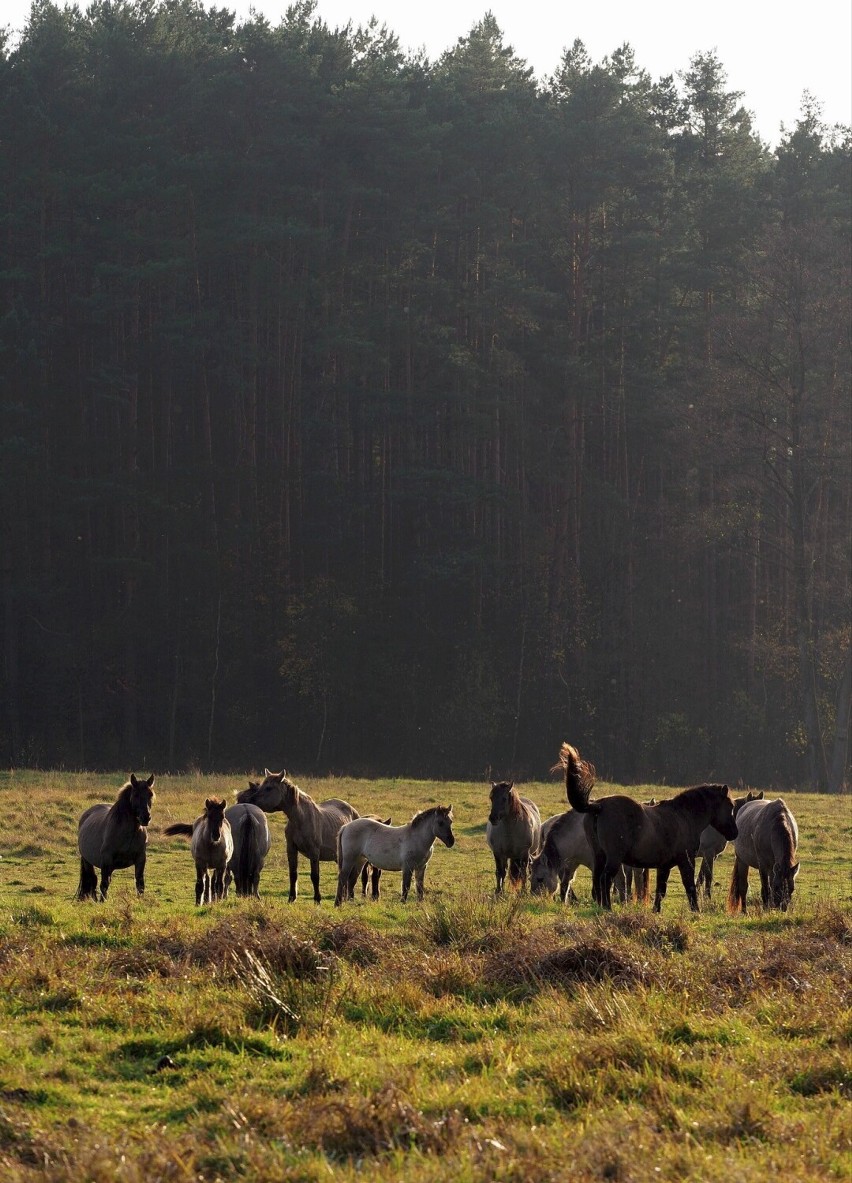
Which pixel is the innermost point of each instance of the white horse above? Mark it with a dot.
(405, 848)
(565, 847)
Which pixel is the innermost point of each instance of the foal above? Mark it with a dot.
(212, 847)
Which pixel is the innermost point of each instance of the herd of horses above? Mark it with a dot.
(618, 839)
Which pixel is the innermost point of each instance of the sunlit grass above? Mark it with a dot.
(464, 1038)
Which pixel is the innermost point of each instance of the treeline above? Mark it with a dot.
(366, 413)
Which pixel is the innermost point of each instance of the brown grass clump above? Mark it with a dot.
(353, 940)
(587, 960)
(354, 1126)
(223, 945)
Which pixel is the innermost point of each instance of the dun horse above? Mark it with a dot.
(713, 843)
(250, 834)
(513, 832)
(311, 829)
(663, 836)
(564, 848)
(405, 848)
(768, 838)
(212, 847)
(115, 836)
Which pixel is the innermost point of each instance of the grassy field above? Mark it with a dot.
(459, 1039)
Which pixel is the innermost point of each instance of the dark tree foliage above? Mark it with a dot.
(368, 413)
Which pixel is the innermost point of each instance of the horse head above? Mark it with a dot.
(543, 877)
(782, 885)
(140, 798)
(273, 794)
(214, 811)
(444, 825)
(502, 793)
(724, 813)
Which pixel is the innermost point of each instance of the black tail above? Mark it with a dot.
(579, 779)
(87, 888)
(179, 828)
(247, 868)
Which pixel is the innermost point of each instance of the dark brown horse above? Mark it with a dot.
(115, 836)
(311, 829)
(621, 831)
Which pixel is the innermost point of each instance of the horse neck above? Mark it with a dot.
(121, 812)
(423, 833)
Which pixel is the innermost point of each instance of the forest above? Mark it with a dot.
(363, 413)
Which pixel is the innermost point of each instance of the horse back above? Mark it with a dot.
(641, 835)
(768, 834)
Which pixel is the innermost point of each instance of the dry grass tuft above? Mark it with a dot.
(531, 964)
(352, 1127)
(353, 940)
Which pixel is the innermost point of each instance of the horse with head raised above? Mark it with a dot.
(621, 831)
(405, 848)
(513, 832)
(767, 840)
(311, 828)
(212, 847)
(115, 836)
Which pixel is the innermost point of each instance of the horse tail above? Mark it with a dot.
(735, 898)
(643, 885)
(248, 854)
(579, 779)
(88, 881)
(179, 828)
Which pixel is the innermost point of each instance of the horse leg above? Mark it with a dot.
(598, 878)
(662, 883)
(106, 879)
(765, 894)
(140, 874)
(686, 866)
(315, 879)
(342, 884)
(377, 874)
(406, 882)
(293, 864)
(621, 885)
(365, 875)
(419, 874)
(500, 873)
(353, 879)
(200, 884)
(705, 875)
(88, 886)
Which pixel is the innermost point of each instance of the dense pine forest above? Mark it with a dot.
(365, 413)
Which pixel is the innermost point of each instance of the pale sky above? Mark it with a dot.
(771, 52)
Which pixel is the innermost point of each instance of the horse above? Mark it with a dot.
(311, 829)
(405, 848)
(564, 848)
(115, 836)
(621, 830)
(212, 847)
(768, 838)
(513, 832)
(250, 833)
(712, 843)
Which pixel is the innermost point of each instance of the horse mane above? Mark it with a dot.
(550, 851)
(696, 793)
(782, 829)
(425, 814)
(121, 805)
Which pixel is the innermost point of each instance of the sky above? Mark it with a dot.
(770, 52)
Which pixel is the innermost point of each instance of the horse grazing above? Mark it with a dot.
(768, 838)
(311, 829)
(513, 832)
(712, 843)
(621, 831)
(564, 848)
(250, 834)
(405, 848)
(212, 847)
(115, 836)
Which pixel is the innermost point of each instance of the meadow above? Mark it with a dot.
(464, 1038)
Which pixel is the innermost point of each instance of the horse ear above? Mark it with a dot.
(149, 782)
(795, 869)
(759, 796)
(133, 780)
(267, 773)
(511, 784)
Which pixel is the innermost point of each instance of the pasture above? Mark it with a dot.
(464, 1038)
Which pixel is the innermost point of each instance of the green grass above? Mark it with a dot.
(464, 1038)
